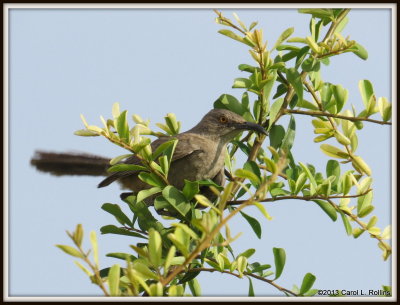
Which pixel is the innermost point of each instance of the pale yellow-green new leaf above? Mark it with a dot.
(387, 232)
(205, 202)
(155, 247)
(385, 108)
(113, 280)
(115, 110)
(168, 259)
(95, 247)
(333, 151)
(372, 222)
(241, 265)
(70, 250)
(83, 268)
(262, 210)
(360, 165)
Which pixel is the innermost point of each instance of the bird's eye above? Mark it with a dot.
(223, 119)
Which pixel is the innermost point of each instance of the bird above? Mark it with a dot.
(199, 155)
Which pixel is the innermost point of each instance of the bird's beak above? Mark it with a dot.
(251, 126)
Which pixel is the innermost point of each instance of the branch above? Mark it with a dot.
(338, 116)
(335, 23)
(306, 198)
(246, 273)
(362, 225)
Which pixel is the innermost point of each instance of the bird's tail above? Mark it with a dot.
(60, 164)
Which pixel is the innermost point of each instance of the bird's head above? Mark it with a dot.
(225, 124)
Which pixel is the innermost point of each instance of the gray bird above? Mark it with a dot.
(199, 155)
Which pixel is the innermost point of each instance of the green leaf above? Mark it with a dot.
(115, 110)
(307, 283)
(78, 235)
(123, 256)
(280, 259)
(241, 264)
(113, 280)
(340, 95)
(334, 152)
(347, 225)
(251, 289)
(162, 148)
(169, 258)
(357, 232)
(172, 123)
(115, 210)
(372, 222)
(260, 268)
(385, 108)
(194, 287)
(121, 167)
(327, 208)
(364, 185)
(285, 35)
(186, 229)
(70, 250)
(117, 159)
(143, 194)
(229, 102)
(83, 268)
(255, 225)
(276, 135)
(359, 50)
(243, 173)
(176, 199)
(140, 265)
(203, 200)
(151, 179)
(252, 166)
(111, 229)
(190, 189)
(276, 106)
(318, 13)
(313, 186)
(262, 210)
(155, 247)
(247, 68)
(247, 253)
(333, 169)
(360, 165)
(311, 64)
(294, 79)
(242, 83)
(232, 35)
(288, 139)
(342, 25)
(122, 126)
(95, 247)
(175, 291)
(366, 90)
(86, 133)
(301, 180)
(364, 206)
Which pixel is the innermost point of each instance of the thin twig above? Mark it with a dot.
(361, 224)
(337, 116)
(271, 282)
(306, 198)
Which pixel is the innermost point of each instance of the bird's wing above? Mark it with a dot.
(186, 146)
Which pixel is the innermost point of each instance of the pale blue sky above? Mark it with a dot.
(67, 62)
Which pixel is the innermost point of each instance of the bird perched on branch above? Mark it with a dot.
(199, 155)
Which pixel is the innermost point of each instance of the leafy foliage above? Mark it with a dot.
(174, 254)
